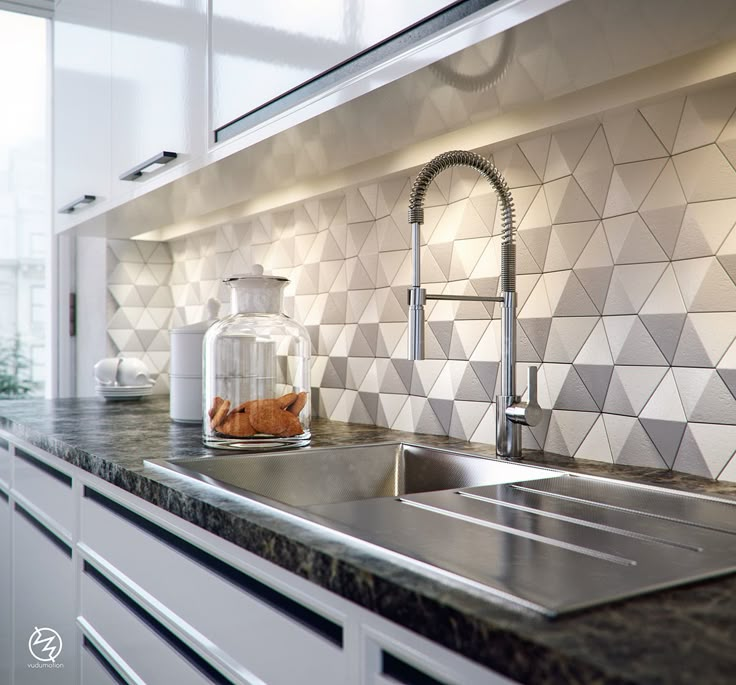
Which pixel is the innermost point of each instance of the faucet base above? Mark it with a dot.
(508, 433)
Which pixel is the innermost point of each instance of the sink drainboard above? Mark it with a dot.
(555, 545)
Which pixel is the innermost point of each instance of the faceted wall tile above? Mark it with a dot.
(567, 201)
(566, 389)
(705, 174)
(630, 286)
(630, 342)
(567, 430)
(705, 338)
(567, 297)
(631, 387)
(566, 149)
(630, 184)
(630, 240)
(593, 172)
(595, 446)
(664, 118)
(630, 443)
(727, 369)
(566, 243)
(705, 397)
(663, 418)
(706, 449)
(631, 138)
(727, 255)
(705, 286)
(566, 337)
(704, 228)
(704, 117)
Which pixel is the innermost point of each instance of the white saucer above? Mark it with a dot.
(123, 392)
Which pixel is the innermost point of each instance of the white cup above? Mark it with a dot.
(132, 371)
(106, 370)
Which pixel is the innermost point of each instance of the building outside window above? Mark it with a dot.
(25, 224)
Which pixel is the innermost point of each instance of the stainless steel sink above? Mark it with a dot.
(344, 474)
(551, 541)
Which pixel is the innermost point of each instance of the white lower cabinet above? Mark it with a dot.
(139, 596)
(44, 631)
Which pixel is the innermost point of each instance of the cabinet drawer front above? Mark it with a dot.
(46, 487)
(270, 634)
(146, 647)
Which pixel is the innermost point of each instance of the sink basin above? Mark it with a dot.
(343, 474)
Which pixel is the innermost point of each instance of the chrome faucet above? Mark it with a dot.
(511, 412)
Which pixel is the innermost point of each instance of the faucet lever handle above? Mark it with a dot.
(533, 412)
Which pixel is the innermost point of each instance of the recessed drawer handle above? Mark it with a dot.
(315, 622)
(100, 658)
(181, 648)
(404, 673)
(138, 172)
(41, 528)
(80, 203)
(43, 466)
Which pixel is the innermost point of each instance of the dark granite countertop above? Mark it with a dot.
(685, 635)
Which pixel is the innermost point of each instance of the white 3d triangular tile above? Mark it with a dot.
(704, 396)
(630, 240)
(566, 149)
(706, 449)
(567, 336)
(705, 338)
(631, 387)
(566, 389)
(593, 172)
(566, 244)
(704, 228)
(630, 286)
(567, 297)
(567, 202)
(536, 151)
(631, 138)
(664, 118)
(630, 184)
(631, 343)
(705, 286)
(595, 446)
(704, 117)
(567, 430)
(705, 174)
(630, 443)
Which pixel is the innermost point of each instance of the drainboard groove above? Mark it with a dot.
(614, 559)
(630, 510)
(581, 522)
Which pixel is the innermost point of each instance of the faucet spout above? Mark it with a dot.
(511, 413)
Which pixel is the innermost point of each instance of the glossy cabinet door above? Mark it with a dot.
(5, 613)
(43, 601)
(81, 106)
(158, 85)
(261, 50)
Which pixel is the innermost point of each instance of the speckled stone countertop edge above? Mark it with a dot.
(520, 644)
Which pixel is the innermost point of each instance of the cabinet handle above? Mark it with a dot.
(315, 622)
(79, 203)
(213, 675)
(100, 658)
(150, 165)
(41, 528)
(4, 496)
(404, 673)
(43, 466)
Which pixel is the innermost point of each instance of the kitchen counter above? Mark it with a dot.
(684, 635)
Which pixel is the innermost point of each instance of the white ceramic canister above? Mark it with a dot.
(185, 369)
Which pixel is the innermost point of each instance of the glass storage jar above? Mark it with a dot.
(256, 391)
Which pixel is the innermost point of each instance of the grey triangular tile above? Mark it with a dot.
(596, 379)
(470, 387)
(666, 436)
(370, 402)
(405, 369)
(360, 414)
(487, 373)
(537, 331)
(728, 376)
(567, 391)
(631, 446)
(443, 333)
(443, 411)
(595, 280)
(665, 329)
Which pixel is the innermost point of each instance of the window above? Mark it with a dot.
(25, 221)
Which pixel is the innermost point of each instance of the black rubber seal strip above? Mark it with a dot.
(404, 673)
(100, 658)
(44, 530)
(43, 466)
(162, 631)
(317, 623)
(352, 66)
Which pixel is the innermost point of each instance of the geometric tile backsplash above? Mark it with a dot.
(626, 262)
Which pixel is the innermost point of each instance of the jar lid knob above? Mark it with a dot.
(257, 270)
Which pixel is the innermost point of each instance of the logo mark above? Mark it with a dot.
(45, 644)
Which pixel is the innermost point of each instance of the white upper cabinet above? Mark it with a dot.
(261, 50)
(158, 87)
(81, 121)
